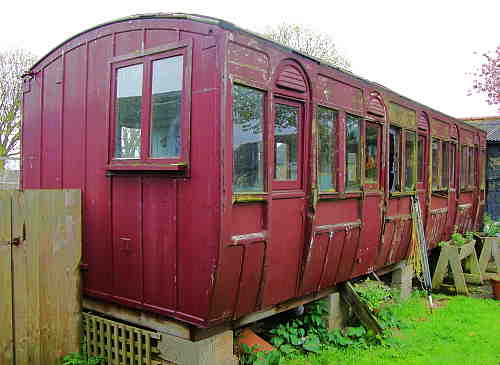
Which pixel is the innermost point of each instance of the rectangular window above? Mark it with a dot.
(410, 160)
(248, 161)
(453, 151)
(472, 166)
(327, 120)
(464, 167)
(394, 160)
(166, 107)
(286, 130)
(445, 166)
(128, 105)
(482, 169)
(151, 109)
(436, 161)
(421, 158)
(371, 153)
(353, 137)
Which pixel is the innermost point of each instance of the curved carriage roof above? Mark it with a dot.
(230, 26)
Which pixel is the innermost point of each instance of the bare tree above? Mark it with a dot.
(317, 45)
(12, 65)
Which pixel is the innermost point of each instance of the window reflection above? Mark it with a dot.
(128, 111)
(285, 142)
(394, 161)
(247, 139)
(435, 163)
(326, 148)
(371, 164)
(166, 107)
(420, 158)
(410, 161)
(352, 178)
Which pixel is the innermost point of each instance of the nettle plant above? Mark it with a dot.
(308, 333)
(457, 239)
(82, 357)
(490, 227)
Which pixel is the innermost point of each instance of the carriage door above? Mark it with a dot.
(288, 200)
(373, 195)
(401, 184)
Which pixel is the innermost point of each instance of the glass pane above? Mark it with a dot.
(420, 158)
(453, 149)
(128, 111)
(394, 160)
(464, 164)
(326, 149)
(445, 169)
(410, 160)
(472, 166)
(247, 139)
(286, 125)
(435, 164)
(482, 169)
(352, 174)
(371, 164)
(166, 107)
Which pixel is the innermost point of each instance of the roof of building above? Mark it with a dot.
(491, 125)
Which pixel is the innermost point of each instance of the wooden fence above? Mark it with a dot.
(40, 251)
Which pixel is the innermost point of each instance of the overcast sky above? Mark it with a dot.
(421, 49)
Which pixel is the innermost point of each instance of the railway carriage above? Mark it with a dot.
(223, 174)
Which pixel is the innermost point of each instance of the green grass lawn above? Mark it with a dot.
(461, 331)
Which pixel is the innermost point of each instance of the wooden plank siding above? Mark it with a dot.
(6, 333)
(46, 311)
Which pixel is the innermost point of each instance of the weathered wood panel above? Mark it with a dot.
(46, 276)
(6, 335)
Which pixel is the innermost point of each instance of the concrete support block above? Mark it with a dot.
(338, 311)
(402, 278)
(215, 350)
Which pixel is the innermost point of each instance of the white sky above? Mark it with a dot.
(421, 49)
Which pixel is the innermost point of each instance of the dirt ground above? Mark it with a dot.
(481, 291)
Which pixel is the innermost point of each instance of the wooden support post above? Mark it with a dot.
(402, 278)
(359, 308)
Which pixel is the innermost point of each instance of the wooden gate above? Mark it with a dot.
(40, 251)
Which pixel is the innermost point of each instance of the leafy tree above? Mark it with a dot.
(318, 45)
(487, 78)
(12, 65)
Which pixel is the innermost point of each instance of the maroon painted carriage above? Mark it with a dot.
(223, 174)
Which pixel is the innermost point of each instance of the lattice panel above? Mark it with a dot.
(119, 343)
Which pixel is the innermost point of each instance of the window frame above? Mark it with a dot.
(146, 57)
(265, 141)
(334, 138)
(404, 134)
(399, 160)
(360, 159)
(368, 184)
(440, 187)
(295, 184)
(468, 175)
(422, 166)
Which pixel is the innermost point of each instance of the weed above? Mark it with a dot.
(490, 227)
(82, 357)
(249, 356)
(373, 293)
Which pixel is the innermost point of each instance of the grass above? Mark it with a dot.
(461, 331)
